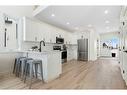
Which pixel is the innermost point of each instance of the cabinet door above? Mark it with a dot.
(54, 34)
(11, 36)
(30, 30)
(47, 34)
(53, 37)
(44, 32)
(1, 31)
(73, 39)
(1, 39)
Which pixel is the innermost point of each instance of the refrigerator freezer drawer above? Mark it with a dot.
(83, 56)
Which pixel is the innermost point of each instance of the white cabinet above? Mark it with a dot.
(54, 33)
(11, 38)
(70, 38)
(35, 31)
(1, 31)
(73, 39)
(30, 30)
(123, 43)
(67, 38)
(1, 40)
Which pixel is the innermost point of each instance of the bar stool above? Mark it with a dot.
(17, 64)
(22, 66)
(30, 64)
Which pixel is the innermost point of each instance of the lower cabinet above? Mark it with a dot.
(124, 67)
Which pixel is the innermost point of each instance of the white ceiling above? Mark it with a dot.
(80, 18)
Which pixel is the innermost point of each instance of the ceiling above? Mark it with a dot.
(103, 19)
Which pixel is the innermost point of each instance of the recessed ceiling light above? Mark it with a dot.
(106, 21)
(89, 25)
(67, 23)
(107, 27)
(53, 15)
(106, 11)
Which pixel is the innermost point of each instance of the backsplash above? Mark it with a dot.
(28, 45)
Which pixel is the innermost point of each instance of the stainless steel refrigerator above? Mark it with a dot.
(82, 49)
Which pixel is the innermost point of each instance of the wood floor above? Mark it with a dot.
(100, 74)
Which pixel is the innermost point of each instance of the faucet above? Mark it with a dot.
(40, 45)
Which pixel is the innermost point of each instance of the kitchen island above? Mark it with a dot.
(51, 63)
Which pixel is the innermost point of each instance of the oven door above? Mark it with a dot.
(64, 56)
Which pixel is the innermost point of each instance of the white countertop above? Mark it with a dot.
(22, 51)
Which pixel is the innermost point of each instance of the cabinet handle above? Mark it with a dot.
(123, 47)
(5, 39)
(35, 38)
(50, 40)
(16, 31)
(123, 23)
(43, 39)
(82, 36)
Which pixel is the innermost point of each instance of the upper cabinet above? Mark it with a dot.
(30, 30)
(36, 31)
(123, 28)
(123, 18)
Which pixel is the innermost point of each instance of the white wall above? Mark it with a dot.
(93, 44)
(6, 62)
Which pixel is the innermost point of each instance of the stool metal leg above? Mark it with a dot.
(14, 69)
(22, 67)
(19, 69)
(31, 74)
(36, 70)
(41, 71)
(25, 72)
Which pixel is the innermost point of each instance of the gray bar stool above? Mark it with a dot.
(29, 69)
(17, 65)
(22, 67)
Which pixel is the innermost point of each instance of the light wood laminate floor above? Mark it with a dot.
(100, 74)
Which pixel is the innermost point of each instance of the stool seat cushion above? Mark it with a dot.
(34, 61)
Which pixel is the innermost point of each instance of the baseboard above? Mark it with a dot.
(5, 74)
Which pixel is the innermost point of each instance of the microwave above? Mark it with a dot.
(59, 40)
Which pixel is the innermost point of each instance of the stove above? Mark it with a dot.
(63, 53)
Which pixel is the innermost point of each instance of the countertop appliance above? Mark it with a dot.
(63, 52)
(59, 40)
(82, 49)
